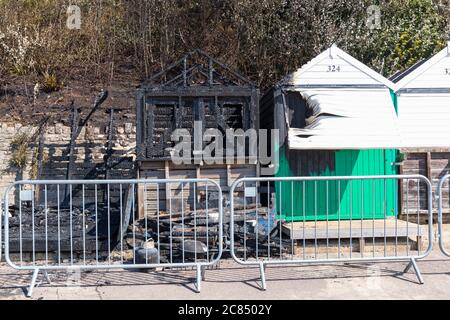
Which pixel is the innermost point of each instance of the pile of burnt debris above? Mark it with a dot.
(60, 230)
(159, 238)
(194, 235)
(257, 232)
(173, 237)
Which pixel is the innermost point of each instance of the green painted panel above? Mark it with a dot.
(394, 100)
(311, 200)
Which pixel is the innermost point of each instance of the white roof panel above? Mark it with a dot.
(347, 119)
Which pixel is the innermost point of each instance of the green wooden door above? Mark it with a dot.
(356, 199)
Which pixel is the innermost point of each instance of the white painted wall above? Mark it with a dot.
(335, 67)
(433, 73)
(425, 117)
(424, 120)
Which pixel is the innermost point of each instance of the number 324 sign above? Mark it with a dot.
(334, 68)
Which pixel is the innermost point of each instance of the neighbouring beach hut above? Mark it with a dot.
(423, 103)
(336, 117)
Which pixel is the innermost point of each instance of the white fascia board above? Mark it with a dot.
(370, 72)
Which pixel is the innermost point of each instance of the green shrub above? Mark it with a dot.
(50, 82)
(19, 147)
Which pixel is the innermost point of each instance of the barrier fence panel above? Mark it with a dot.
(330, 219)
(443, 208)
(1, 228)
(91, 224)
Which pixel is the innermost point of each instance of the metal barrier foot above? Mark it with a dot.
(33, 283)
(47, 277)
(413, 264)
(199, 279)
(203, 273)
(263, 276)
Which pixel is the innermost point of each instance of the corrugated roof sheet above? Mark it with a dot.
(401, 74)
(347, 119)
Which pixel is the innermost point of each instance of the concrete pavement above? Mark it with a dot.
(232, 281)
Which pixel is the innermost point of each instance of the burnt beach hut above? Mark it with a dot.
(195, 89)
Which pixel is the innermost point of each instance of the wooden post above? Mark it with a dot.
(429, 166)
(419, 243)
(362, 244)
(429, 172)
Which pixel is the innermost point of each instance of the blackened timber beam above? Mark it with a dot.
(225, 67)
(150, 109)
(40, 154)
(40, 150)
(73, 137)
(201, 113)
(97, 103)
(177, 113)
(78, 125)
(140, 137)
(182, 76)
(218, 111)
(211, 69)
(184, 72)
(183, 62)
(170, 67)
(245, 114)
(108, 156)
(254, 109)
(195, 91)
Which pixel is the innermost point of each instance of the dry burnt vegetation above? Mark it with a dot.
(123, 41)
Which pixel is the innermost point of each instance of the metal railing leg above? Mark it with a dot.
(263, 276)
(203, 273)
(33, 283)
(199, 279)
(413, 264)
(47, 277)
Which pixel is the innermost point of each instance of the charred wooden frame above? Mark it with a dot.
(195, 88)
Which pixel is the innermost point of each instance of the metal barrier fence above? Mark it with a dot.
(91, 224)
(300, 220)
(443, 205)
(1, 228)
